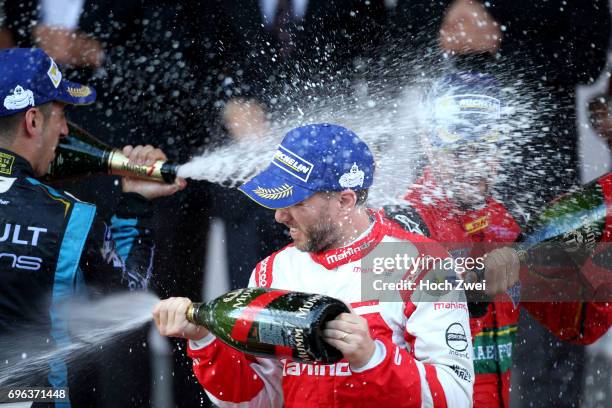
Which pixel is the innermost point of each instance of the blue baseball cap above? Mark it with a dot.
(29, 77)
(466, 108)
(312, 158)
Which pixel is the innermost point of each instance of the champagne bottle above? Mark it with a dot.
(573, 223)
(81, 154)
(555, 244)
(272, 323)
(561, 241)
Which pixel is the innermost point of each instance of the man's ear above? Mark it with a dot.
(348, 200)
(33, 122)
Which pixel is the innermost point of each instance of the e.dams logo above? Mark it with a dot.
(456, 338)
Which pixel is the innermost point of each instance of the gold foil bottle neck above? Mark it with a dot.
(119, 165)
(190, 314)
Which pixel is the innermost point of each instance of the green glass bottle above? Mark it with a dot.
(272, 323)
(80, 154)
(573, 223)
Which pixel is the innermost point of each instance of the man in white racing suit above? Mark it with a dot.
(407, 353)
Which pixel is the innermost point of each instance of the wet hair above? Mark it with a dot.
(9, 124)
(362, 197)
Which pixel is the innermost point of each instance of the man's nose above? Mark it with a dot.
(64, 129)
(281, 215)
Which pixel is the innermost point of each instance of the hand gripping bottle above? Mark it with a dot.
(80, 154)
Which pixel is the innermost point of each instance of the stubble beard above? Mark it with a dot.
(319, 237)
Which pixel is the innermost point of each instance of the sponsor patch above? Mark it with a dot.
(408, 224)
(6, 163)
(493, 349)
(354, 178)
(109, 250)
(450, 305)
(292, 368)
(261, 273)
(407, 217)
(462, 373)
(292, 164)
(456, 338)
(55, 75)
(469, 103)
(477, 225)
(347, 252)
(457, 354)
(275, 193)
(19, 99)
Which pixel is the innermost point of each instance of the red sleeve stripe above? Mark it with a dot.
(365, 303)
(437, 392)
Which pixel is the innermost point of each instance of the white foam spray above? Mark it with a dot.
(92, 324)
(391, 119)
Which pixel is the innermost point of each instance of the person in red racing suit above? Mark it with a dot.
(493, 329)
(400, 354)
(452, 204)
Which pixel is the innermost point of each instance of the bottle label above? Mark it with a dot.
(248, 315)
(274, 333)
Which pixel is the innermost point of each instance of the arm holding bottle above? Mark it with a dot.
(120, 254)
(147, 155)
(382, 368)
(228, 376)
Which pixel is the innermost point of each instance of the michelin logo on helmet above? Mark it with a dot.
(292, 164)
(468, 103)
(20, 98)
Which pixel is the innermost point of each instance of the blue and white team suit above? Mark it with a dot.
(54, 247)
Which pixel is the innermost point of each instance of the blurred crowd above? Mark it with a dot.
(195, 74)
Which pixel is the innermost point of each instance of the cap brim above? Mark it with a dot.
(74, 93)
(271, 190)
(465, 133)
